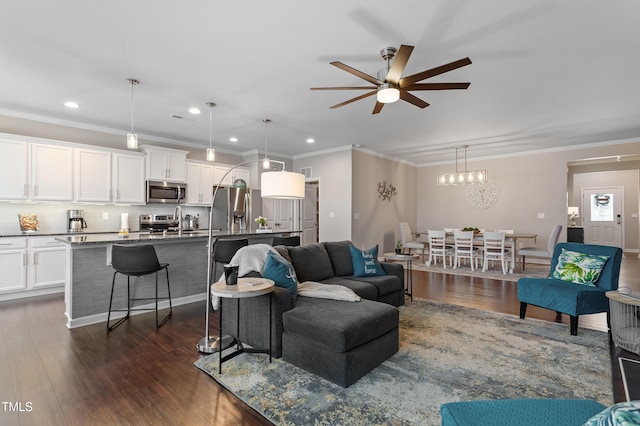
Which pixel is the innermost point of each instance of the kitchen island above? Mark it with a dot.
(90, 273)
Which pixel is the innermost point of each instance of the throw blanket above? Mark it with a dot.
(249, 259)
(327, 291)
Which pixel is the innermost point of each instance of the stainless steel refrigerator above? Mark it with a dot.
(235, 209)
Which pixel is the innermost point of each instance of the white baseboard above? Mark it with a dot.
(22, 294)
(98, 318)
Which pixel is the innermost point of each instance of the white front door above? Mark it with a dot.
(602, 216)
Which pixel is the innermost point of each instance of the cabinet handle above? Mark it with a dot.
(35, 190)
(24, 259)
(26, 189)
(35, 258)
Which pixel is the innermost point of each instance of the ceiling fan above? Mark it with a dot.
(389, 86)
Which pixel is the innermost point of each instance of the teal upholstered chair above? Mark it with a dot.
(567, 297)
(521, 412)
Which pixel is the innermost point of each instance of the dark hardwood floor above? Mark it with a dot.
(139, 375)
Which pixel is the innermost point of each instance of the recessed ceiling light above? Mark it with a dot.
(233, 139)
(71, 104)
(311, 140)
(194, 111)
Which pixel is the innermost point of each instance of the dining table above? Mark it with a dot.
(511, 240)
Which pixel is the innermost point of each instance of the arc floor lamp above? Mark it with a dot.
(273, 184)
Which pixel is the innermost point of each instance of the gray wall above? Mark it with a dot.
(528, 185)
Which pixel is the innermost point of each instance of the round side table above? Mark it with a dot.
(246, 287)
(625, 320)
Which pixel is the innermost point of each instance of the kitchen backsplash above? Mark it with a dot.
(52, 218)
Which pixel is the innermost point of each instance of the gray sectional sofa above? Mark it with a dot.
(340, 341)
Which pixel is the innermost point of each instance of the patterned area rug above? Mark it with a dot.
(447, 353)
(494, 271)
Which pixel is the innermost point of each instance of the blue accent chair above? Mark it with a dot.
(567, 297)
(521, 412)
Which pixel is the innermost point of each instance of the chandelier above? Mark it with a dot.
(462, 177)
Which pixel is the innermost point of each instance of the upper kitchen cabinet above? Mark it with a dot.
(14, 160)
(92, 176)
(244, 174)
(128, 179)
(166, 164)
(200, 181)
(51, 173)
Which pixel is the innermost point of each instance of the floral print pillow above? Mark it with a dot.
(621, 414)
(579, 268)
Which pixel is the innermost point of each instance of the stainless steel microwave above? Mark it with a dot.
(166, 192)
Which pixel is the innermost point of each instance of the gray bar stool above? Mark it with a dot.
(137, 261)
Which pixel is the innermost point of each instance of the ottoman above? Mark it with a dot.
(339, 341)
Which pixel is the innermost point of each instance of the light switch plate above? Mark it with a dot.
(105, 215)
(540, 215)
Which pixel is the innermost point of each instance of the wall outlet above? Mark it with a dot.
(356, 215)
(634, 215)
(332, 214)
(540, 215)
(105, 215)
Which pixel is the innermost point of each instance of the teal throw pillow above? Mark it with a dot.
(365, 262)
(579, 268)
(623, 413)
(278, 269)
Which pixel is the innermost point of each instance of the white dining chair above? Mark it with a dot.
(408, 242)
(494, 249)
(438, 247)
(464, 249)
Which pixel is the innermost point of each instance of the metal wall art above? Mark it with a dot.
(386, 191)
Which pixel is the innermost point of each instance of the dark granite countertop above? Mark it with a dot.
(106, 238)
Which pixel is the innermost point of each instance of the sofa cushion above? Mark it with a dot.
(362, 288)
(278, 269)
(385, 284)
(283, 251)
(340, 325)
(340, 256)
(311, 262)
(622, 413)
(365, 262)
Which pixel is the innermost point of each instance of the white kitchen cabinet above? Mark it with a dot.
(51, 173)
(200, 181)
(243, 174)
(92, 175)
(47, 263)
(219, 173)
(13, 264)
(14, 157)
(166, 164)
(128, 179)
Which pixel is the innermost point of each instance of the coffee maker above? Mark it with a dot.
(75, 219)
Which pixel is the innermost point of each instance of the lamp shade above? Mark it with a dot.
(283, 185)
(573, 210)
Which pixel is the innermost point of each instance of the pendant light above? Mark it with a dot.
(211, 153)
(132, 138)
(462, 177)
(266, 164)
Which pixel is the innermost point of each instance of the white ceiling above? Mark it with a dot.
(544, 73)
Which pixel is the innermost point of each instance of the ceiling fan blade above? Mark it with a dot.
(436, 86)
(399, 63)
(377, 108)
(345, 88)
(406, 96)
(357, 98)
(357, 73)
(406, 81)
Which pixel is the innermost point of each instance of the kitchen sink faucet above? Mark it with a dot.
(177, 212)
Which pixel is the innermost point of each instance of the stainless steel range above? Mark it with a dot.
(158, 223)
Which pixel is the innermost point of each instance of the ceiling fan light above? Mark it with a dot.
(387, 94)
